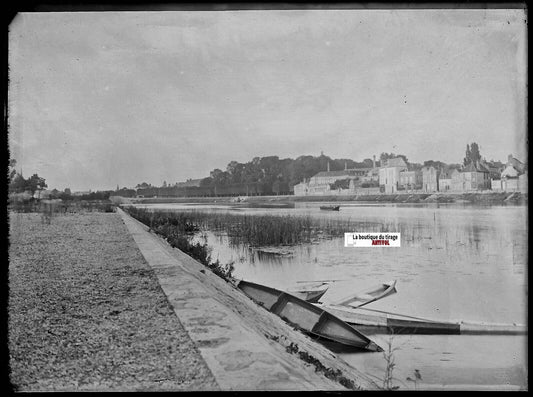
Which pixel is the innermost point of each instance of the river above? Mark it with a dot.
(456, 262)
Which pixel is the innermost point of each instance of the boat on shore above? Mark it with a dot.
(311, 292)
(307, 317)
(330, 207)
(369, 295)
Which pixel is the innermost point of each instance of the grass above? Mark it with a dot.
(50, 208)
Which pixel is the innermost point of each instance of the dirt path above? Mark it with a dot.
(86, 312)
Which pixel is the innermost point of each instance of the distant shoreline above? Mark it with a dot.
(463, 198)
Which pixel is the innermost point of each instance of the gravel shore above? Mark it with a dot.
(86, 312)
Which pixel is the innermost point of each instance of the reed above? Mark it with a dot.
(178, 230)
(256, 230)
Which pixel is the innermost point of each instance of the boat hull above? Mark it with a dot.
(307, 317)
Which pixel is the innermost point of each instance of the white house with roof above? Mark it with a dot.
(320, 184)
(513, 177)
(389, 174)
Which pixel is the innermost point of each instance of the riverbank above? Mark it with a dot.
(485, 197)
(82, 318)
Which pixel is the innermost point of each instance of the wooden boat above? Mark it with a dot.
(369, 295)
(307, 317)
(309, 292)
(252, 204)
(330, 207)
(383, 322)
(273, 251)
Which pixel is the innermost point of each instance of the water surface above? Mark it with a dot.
(456, 262)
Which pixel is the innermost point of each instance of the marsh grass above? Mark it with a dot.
(179, 231)
(256, 230)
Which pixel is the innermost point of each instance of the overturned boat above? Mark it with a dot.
(307, 317)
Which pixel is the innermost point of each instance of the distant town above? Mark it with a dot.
(314, 176)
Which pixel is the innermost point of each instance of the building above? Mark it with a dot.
(410, 180)
(124, 192)
(445, 179)
(189, 183)
(522, 183)
(301, 189)
(495, 168)
(514, 176)
(81, 193)
(320, 184)
(389, 174)
(471, 178)
(509, 172)
(371, 176)
(517, 164)
(430, 179)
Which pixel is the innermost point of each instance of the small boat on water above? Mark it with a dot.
(307, 317)
(251, 204)
(273, 251)
(369, 295)
(375, 322)
(330, 207)
(311, 292)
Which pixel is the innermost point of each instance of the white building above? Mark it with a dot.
(389, 174)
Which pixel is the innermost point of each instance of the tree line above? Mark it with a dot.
(273, 172)
(19, 184)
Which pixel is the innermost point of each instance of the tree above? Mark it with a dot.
(12, 171)
(36, 183)
(18, 184)
(206, 182)
(386, 156)
(472, 154)
(368, 163)
(220, 178)
(236, 171)
(435, 164)
(466, 159)
(340, 184)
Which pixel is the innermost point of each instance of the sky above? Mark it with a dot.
(100, 99)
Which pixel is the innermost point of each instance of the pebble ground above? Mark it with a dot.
(86, 312)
